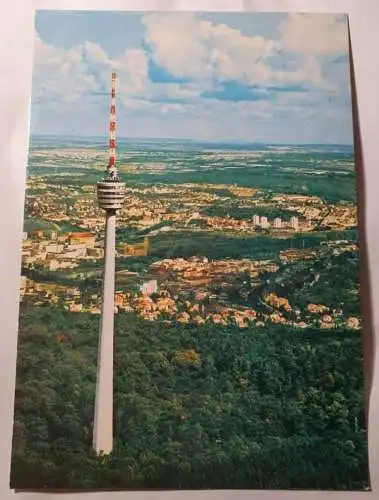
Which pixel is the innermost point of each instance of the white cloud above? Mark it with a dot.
(62, 74)
(174, 107)
(45, 54)
(133, 104)
(69, 76)
(132, 68)
(178, 43)
(95, 54)
(74, 74)
(154, 109)
(189, 47)
(86, 67)
(315, 33)
(173, 91)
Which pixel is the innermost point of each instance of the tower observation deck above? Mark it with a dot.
(110, 193)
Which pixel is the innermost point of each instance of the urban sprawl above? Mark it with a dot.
(190, 289)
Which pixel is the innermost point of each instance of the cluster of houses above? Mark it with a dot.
(59, 251)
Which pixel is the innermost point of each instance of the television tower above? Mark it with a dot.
(110, 197)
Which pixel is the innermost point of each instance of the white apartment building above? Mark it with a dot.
(264, 221)
(277, 223)
(294, 223)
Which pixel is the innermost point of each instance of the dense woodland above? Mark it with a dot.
(199, 406)
(236, 212)
(196, 407)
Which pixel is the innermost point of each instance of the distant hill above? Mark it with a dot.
(331, 279)
(34, 224)
(99, 142)
(31, 225)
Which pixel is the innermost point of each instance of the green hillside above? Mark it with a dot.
(196, 407)
(329, 279)
(31, 225)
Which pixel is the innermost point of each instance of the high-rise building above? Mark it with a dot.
(294, 223)
(256, 220)
(277, 223)
(264, 221)
(110, 195)
(149, 287)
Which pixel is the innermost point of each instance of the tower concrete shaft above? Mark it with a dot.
(103, 422)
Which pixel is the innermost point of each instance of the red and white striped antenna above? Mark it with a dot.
(112, 129)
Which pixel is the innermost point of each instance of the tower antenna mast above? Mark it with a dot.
(110, 197)
(112, 169)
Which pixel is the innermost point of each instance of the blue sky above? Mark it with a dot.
(212, 76)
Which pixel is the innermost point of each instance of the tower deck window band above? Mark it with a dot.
(110, 194)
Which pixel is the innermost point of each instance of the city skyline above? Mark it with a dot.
(238, 77)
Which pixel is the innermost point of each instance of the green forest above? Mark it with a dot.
(331, 187)
(220, 246)
(195, 407)
(236, 212)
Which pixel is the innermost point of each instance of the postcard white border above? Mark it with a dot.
(16, 35)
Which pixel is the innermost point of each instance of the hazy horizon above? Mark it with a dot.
(189, 140)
